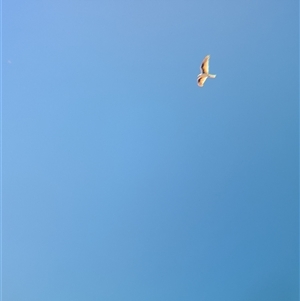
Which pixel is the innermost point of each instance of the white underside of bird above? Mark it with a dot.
(201, 78)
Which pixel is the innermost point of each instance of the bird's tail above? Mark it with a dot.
(211, 75)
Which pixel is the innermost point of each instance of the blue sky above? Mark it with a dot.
(122, 179)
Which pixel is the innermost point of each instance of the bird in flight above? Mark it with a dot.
(205, 72)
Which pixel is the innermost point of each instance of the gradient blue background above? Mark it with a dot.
(122, 179)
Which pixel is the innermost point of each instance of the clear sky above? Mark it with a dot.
(125, 181)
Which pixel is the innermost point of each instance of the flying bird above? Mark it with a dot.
(205, 72)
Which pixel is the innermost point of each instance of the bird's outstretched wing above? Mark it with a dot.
(205, 64)
(201, 80)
